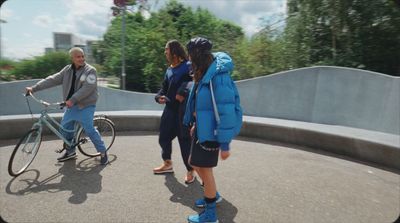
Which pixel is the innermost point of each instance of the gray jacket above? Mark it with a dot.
(85, 84)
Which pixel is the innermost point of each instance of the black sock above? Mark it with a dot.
(210, 200)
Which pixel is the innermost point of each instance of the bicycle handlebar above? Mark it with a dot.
(45, 103)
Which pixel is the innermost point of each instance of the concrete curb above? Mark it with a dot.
(364, 145)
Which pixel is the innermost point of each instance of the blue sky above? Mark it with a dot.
(30, 24)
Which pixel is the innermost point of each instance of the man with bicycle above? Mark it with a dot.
(79, 86)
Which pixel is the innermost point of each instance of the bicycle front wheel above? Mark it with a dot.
(24, 152)
(107, 132)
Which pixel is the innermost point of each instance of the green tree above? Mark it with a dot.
(146, 39)
(41, 66)
(6, 66)
(343, 32)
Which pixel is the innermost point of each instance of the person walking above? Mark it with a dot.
(176, 74)
(79, 87)
(213, 110)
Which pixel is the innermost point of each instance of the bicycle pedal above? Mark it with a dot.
(83, 141)
(59, 150)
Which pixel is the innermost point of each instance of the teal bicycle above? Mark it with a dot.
(28, 146)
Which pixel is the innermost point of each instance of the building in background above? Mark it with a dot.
(89, 51)
(65, 41)
(48, 50)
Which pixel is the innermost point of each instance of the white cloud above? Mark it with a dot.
(89, 19)
(250, 23)
(6, 13)
(245, 13)
(43, 21)
(26, 50)
(86, 18)
(27, 35)
(88, 7)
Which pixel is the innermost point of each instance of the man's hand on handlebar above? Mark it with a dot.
(69, 104)
(28, 91)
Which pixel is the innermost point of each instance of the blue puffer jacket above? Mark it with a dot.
(227, 100)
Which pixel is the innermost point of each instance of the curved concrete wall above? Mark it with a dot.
(13, 103)
(326, 95)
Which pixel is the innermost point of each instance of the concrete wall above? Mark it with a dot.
(325, 95)
(13, 102)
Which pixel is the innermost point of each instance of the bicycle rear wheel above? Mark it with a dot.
(107, 132)
(24, 152)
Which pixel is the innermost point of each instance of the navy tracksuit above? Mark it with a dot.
(171, 125)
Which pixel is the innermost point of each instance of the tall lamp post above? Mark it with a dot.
(1, 42)
(121, 6)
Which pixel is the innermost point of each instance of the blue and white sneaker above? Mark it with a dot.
(209, 215)
(201, 203)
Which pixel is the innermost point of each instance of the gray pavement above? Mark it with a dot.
(261, 182)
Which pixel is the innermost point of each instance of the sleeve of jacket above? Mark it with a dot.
(163, 89)
(88, 86)
(225, 96)
(50, 81)
(184, 89)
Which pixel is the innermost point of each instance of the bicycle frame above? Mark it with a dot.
(55, 126)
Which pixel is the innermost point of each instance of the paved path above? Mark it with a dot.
(261, 182)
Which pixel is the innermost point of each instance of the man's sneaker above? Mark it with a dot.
(209, 215)
(103, 158)
(166, 167)
(201, 203)
(67, 156)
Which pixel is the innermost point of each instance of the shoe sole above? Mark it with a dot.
(217, 201)
(68, 158)
(163, 171)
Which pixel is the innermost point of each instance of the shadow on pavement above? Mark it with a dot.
(80, 178)
(186, 195)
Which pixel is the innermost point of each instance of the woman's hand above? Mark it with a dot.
(179, 98)
(162, 100)
(225, 154)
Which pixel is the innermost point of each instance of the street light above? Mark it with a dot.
(1, 41)
(1, 21)
(121, 6)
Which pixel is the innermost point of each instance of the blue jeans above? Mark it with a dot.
(85, 117)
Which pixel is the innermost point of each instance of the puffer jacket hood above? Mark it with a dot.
(222, 64)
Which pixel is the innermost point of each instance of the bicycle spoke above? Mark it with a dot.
(24, 152)
(107, 132)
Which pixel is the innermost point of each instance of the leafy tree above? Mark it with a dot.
(343, 32)
(41, 66)
(6, 65)
(146, 39)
